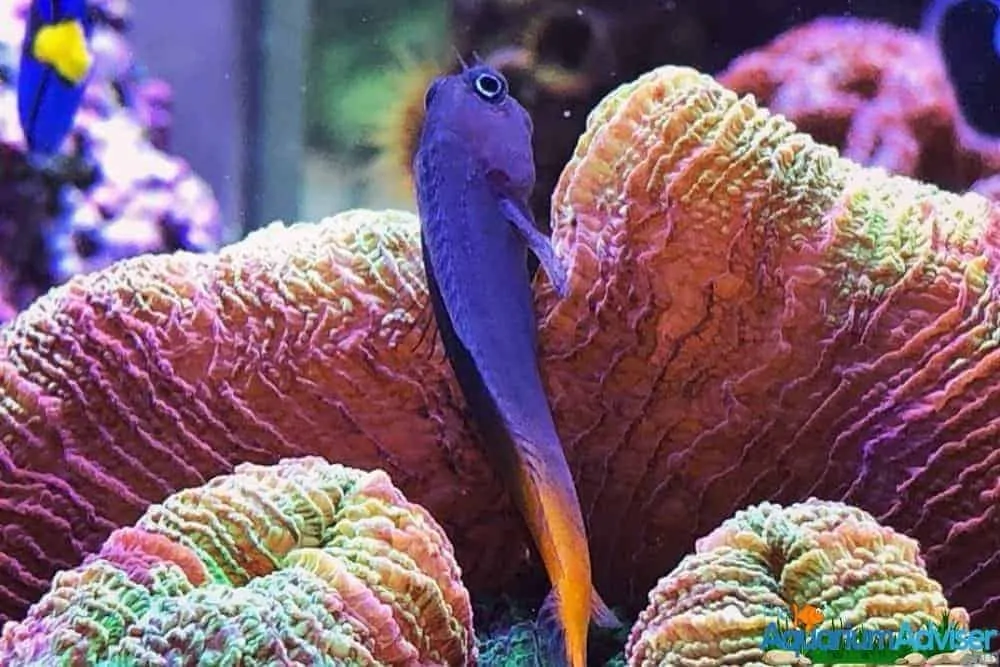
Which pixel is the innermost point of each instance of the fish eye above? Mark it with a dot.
(490, 87)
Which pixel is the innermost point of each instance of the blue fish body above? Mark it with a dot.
(968, 35)
(53, 72)
(474, 171)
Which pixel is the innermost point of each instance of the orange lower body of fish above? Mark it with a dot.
(552, 512)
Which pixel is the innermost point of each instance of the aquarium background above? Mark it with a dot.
(287, 111)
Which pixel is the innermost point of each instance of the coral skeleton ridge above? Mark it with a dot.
(747, 573)
(304, 562)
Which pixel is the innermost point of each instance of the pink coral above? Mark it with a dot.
(879, 93)
(294, 341)
(304, 561)
(753, 317)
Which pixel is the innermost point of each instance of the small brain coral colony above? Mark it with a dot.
(304, 562)
(714, 608)
(115, 191)
(751, 317)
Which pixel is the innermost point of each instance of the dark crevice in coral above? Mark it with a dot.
(832, 132)
(937, 163)
(508, 635)
(866, 87)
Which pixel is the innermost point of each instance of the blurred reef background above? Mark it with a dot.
(368, 69)
(293, 110)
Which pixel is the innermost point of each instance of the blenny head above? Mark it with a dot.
(475, 105)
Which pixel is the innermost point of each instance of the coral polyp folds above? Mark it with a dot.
(304, 561)
(766, 563)
(755, 318)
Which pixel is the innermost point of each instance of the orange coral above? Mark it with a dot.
(878, 92)
(753, 317)
(304, 561)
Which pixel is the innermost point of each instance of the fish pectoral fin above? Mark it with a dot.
(538, 243)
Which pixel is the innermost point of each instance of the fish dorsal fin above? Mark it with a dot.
(461, 60)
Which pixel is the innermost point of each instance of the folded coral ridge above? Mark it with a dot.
(304, 562)
(761, 565)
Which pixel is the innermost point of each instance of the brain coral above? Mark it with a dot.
(751, 318)
(304, 562)
(713, 608)
(160, 372)
(879, 93)
(756, 318)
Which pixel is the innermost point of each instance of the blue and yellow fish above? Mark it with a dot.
(55, 63)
